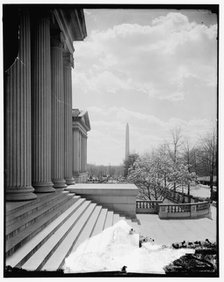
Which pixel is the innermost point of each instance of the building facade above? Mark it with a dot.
(80, 127)
(38, 60)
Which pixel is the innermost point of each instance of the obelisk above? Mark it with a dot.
(127, 142)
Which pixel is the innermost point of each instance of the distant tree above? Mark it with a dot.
(146, 177)
(174, 151)
(161, 155)
(129, 163)
(209, 155)
(195, 160)
(189, 159)
(100, 171)
(152, 176)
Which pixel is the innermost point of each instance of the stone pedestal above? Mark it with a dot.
(41, 106)
(18, 120)
(58, 121)
(68, 63)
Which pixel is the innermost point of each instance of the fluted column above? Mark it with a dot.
(85, 150)
(57, 91)
(18, 119)
(75, 164)
(68, 63)
(83, 153)
(41, 105)
(80, 152)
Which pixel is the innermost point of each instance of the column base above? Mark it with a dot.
(46, 187)
(59, 183)
(20, 194)
(80, 177)
(70, 181)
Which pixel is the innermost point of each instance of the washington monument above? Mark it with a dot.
(127, 142)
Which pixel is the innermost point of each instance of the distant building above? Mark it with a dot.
(80, 127)
(205, 180)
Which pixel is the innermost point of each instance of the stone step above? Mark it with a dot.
(26, 251)
(116, 218)
(86, 232)
(100, 222)
(56, 261)
(24, 236)
(45, 244)
(28, 210)
(12, 207)
(122, 217)
(51, 245)
(20, 225)
(109, 219)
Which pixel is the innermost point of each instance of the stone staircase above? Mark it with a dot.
(40, 234)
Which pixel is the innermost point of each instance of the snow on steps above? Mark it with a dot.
(57, 234)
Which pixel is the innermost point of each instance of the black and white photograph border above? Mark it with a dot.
(135, 136)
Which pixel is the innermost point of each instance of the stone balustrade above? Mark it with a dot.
(191, 210)
(143, 206)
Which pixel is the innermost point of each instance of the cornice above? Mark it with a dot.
(79, 127)
(72, 24)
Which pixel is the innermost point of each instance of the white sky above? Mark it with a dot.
(155, 69)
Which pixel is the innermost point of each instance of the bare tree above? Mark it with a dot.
(187, 156)
(209, 155)
(174, 149)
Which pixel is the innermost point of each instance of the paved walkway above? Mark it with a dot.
(167, 231)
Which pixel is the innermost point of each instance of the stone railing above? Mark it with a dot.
(178, 197)
(143, 206)
(191, 210)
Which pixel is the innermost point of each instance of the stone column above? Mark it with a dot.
(58, 121)
(41, 105)
(18, 119)
(68, 63)
(85, 150)
(82, 153)
(75, 165)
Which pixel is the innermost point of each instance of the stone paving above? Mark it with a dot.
(167, 231)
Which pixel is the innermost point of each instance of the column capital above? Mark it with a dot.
(58, 40)
(68, 59)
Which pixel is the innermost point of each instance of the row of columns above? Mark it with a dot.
(39, 159)
(79, 152)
